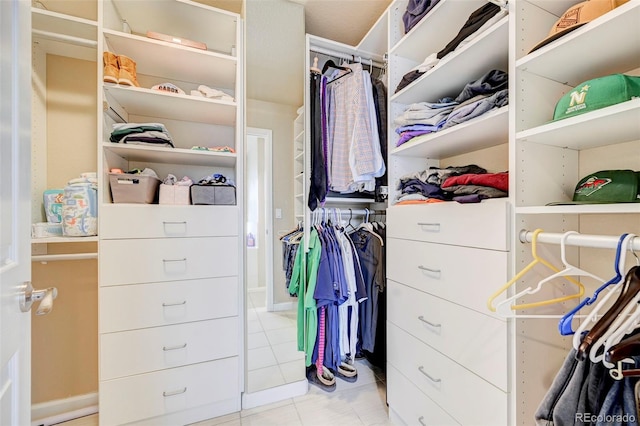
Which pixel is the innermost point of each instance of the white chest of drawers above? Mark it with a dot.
(169, 314)
(444, 350)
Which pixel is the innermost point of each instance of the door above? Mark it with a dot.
(15, 210)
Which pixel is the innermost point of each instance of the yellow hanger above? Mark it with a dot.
(535, 261)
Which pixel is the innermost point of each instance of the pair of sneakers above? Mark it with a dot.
(119, 69)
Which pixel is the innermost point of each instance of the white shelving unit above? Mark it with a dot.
(424, 287)
(187, 286)
(548, 159)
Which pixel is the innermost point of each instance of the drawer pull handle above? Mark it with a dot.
(434, 271)
(184, 259)
(173, 393)
(421, 420)
(421, 368)
(184, 222)
(173, 348)
(435, 226)
(421, 318)
(184, 302)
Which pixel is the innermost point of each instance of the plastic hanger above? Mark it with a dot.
(602, 304)
(504, 305)
(629, 293)
(366, 225)
(565, 323)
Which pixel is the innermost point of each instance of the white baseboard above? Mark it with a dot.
(286, 306)
(275, 394)
(60, 410)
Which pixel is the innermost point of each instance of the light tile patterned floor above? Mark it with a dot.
(362, 403)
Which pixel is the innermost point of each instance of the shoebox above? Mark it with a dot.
(174, 194)
(213, 194)
(133, 188)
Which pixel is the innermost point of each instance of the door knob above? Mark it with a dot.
(28, 295)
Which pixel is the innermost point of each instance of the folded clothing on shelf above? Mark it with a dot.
(141, 133)
(211, 93)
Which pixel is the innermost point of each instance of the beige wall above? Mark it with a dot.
(279, 119)
(65, 342)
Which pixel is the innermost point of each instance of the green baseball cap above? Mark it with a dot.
(597, 93)
(606, 187)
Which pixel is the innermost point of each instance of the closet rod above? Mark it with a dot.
(56, 257)
(347, 212)
(579, 240)
(65, 38)
(346, 56)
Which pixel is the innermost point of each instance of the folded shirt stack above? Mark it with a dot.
(141, 134)
(465, 184)
(476, 98)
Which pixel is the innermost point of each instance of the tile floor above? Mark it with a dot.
(273, 358)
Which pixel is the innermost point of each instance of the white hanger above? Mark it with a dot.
(603, 303)
(504, 307)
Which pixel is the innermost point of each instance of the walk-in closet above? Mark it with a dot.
(436, 221)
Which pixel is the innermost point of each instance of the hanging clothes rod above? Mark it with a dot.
(356, 212)
(579, 240)
(65, 38)
(347, 56)
(57, 257)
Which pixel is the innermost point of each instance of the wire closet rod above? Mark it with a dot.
(347, 56)
(579, 240)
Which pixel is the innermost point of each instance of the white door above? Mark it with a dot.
(15, 210)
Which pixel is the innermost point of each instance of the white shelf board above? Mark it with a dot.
(621, 208)
(487, 130)
(192, 157)
(568, 59)
(301, 196)
(174, 62)
(436, 29)
(375, 40)
(198, 22)
(486, 52)
(300, 177)
(154, 103)
(49, 240)
(54, 22)
(299, 136)
(64, 35)
(299, 157)
(607, 126)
